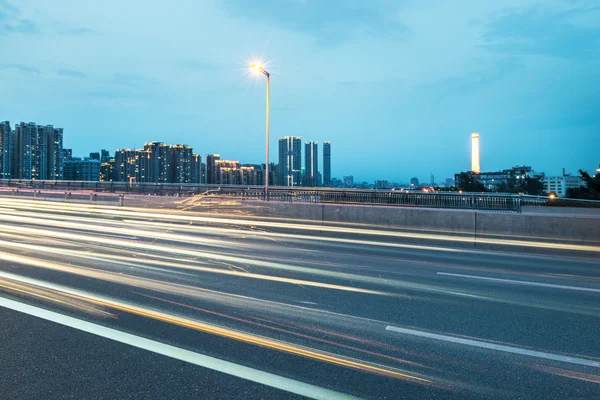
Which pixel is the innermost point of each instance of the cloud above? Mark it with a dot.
(11, 22)
(71, 73)
(21, 67)
(331, 22)
(539, 31)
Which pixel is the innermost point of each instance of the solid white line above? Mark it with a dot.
(550, 285)
(498, 347)
(240, 371)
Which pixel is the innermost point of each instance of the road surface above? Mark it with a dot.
(123, 303)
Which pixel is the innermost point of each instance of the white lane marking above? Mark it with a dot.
(240, 371)
(550, 285)
(498, 347)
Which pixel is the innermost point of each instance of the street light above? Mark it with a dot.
(257, 68)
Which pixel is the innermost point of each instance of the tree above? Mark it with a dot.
(591, 190)
(533, 186)
(468, 183)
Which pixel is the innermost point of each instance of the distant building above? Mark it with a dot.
(6, 136)
(227, 172)
(94, 156)
(311, 164)
(505, 179)
(181, 163)
(560, 184)
(67, 154)
(107, 170)
(196, 168)
(37, 152)
(414, 182)
(160, 162)
(211, 173)
(77, 169)
(382, 184)
(349, 181)
(104, 156)
(449, 182)
(290, 160)
(327, 164)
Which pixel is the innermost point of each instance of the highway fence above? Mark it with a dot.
(114, 191)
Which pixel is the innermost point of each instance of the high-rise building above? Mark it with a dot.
(202, 172)
(37, 152)
(475, 167)
(196, 168)
(77, 169)
(227, 172)
(311, 164)
(349, 181)
(107, 170)
(414, 182)
(155, 163)
(6, 135)
(160, 162)
(104, 156)
(125, 165)
(55, 156)
(247, 176)
(181, 163)
(67, 154)
(382, 184)
(327, 164)
(211, 172)
(94, 156)
(290, 160)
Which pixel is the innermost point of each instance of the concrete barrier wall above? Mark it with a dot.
(577, 230)
(552, 225)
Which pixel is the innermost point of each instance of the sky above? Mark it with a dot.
(397, 86)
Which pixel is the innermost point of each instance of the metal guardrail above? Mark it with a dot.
(448, 200)
(93, 197)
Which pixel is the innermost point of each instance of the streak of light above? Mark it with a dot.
(497, 347)
(246, 321)
(568, 374)
(54, 297)
(251, 374)
(78, 270)
(334, 334)
(237, 335)
(112, 243)
(243, 260)
(336, 229)
(525, 283)
(120, 231)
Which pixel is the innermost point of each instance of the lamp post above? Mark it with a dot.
(259, 68)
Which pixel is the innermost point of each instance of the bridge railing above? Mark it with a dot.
(406, 198)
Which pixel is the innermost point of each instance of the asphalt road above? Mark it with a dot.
(109, 303)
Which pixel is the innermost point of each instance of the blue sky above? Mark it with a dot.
(397, 86)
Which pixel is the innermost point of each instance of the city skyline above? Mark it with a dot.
(435, 72)
(314, 171)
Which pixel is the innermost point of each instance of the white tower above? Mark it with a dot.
(475, 167)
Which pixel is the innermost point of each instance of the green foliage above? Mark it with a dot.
(469, 183)
(591, 190)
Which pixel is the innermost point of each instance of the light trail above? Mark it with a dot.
(120, 278)
(227, 332)
(179, 216)
(497, 347)
(522, 283)
(251, 374)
